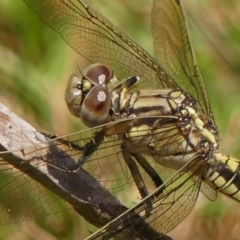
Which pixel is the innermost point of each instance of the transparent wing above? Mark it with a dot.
(102, 147)
(97, 40)
(22, 198)
(172, 202)
(173, 50)
(104, 162)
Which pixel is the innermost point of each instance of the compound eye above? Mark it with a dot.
(98, 74)
(74, 95)
(96, 106)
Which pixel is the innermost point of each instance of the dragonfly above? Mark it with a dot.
(143, 113)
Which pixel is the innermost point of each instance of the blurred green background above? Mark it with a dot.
(36, 64)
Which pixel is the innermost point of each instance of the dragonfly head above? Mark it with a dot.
(87, 96)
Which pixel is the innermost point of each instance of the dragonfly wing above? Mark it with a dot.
(172, 202)
(97, 40)
(22, 198)
(173, 48)
(105, 164)
(209, 192)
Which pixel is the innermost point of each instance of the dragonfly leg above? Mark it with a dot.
(87, 150)
(63, 141)
(137, 177)
(148, 168)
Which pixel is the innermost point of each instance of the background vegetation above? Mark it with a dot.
(35, 65)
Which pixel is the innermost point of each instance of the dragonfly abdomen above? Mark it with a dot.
(223, 175)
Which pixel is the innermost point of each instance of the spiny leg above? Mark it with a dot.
(137, 177)
(87, 150)
(148, 168)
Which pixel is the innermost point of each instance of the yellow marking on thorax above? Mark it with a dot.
(200, 125)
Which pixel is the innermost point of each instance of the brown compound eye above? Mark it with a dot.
(95, 107)
(98, 74)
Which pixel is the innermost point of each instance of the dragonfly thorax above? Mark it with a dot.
(169, 125)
